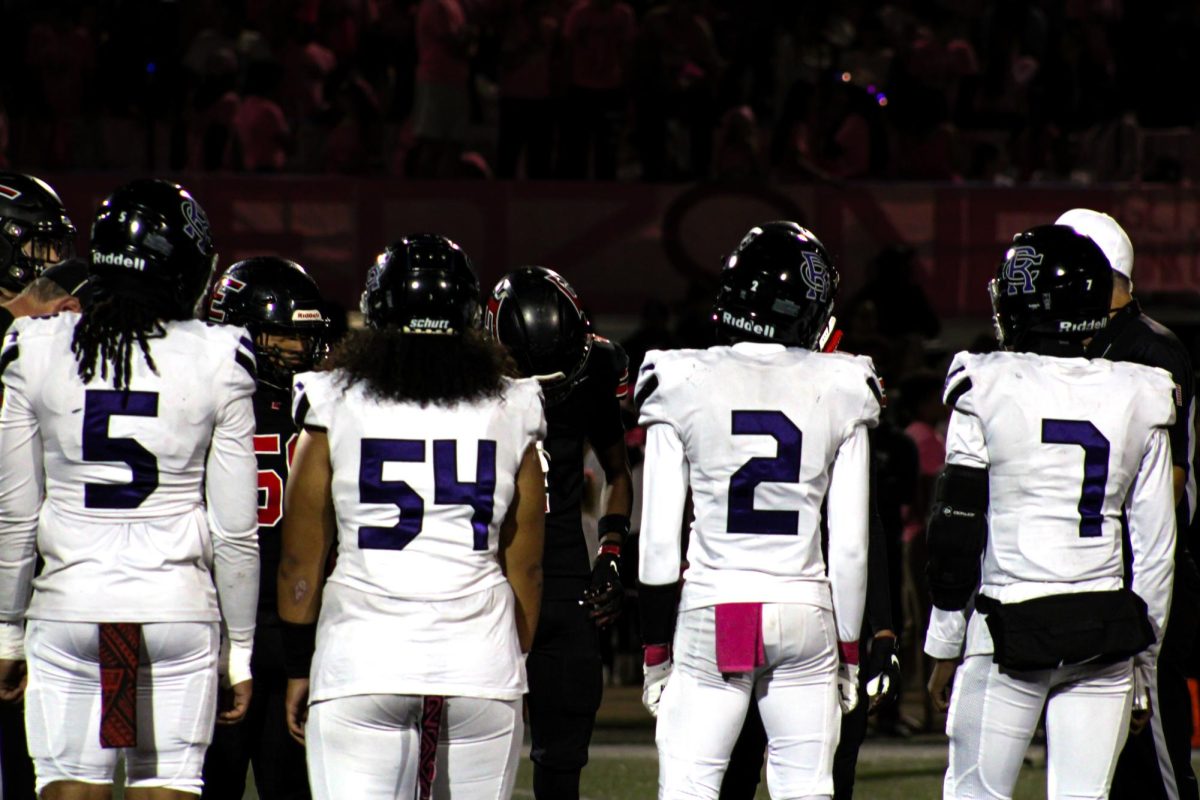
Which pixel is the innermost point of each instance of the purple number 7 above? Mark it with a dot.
(1095, 467)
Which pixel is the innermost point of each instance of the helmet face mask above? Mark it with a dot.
(538, 317)
(1054, 285)
(35, 231)
(778, 285)
(423, 284)
(280, 305)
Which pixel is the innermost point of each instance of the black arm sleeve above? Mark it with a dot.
(957, 535)
(656, 609)
(879, 592)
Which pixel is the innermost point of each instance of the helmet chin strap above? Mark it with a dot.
(550, 377)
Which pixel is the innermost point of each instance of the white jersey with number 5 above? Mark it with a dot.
(1071, 446)
(125, 529)
(764, 435)
(417, 603)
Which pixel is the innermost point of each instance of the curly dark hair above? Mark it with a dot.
(422, 368)
(125, 314)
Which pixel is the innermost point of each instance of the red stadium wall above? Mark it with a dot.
(621, 243)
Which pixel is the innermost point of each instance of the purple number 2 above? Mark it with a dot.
(447, 491)
(743, 517)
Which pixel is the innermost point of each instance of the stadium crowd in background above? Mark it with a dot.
(997, 92)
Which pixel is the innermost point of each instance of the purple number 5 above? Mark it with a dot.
(99, 407)
(1095, 467)
(783, 468)
(447, 489)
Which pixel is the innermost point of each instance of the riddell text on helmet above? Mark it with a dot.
(118, 260)
(1066, 326)
(747, 325)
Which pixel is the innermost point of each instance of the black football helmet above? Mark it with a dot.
(536, 314)
(422, 284)
(1053, 285)
(777, 286)
(270, 296)
(35, 231)
(154, 231)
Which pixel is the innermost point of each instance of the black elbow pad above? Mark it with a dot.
(957, 535)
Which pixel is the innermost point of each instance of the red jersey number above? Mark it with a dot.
(270, 482)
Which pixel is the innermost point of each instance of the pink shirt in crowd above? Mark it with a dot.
(440, 56)
(599, 37)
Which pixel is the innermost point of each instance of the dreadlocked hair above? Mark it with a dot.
(124, 315)
(422, 368)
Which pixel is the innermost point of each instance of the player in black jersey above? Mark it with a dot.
(281, 307)
(536, 314)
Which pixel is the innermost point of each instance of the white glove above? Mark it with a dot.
(655, 680)
(1142, 675)
(847, 686)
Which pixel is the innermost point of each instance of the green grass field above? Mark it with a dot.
(623, 764)
(911, 779)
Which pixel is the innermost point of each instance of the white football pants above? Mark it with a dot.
(176, 704)
(702, 711)
(993, 717)
(368, 747)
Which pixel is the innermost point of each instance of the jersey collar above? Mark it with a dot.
(758, 348)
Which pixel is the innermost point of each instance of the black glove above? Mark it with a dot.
(882, 672)
(606, 592)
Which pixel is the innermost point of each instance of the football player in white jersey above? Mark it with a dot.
(764, 431)
(420, 451)
(1048, 456)
(115, 427)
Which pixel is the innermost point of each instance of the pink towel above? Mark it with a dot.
(739, 637)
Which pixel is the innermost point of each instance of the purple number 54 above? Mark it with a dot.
(448, 490)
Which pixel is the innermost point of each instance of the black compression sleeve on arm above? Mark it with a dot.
(656, 606)
(957, 535)
(879, 593)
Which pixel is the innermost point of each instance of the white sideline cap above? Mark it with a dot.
(1106, 233)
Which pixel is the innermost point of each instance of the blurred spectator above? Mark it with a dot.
(353, 145)
(676, 77)
(739, 152)
(527, 48)
(261, 126)
(442, 107)
(599, 35)
(1002, 92)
